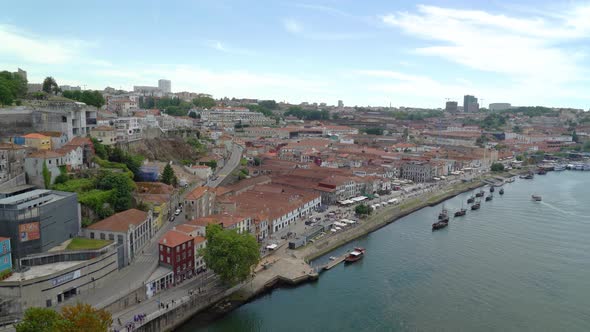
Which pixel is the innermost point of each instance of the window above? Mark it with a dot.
(119, 239)
(168, 249)
(111, 237)
(161, 257)
(92, 235)
(102, 236)
(168, 260)
(177, 258)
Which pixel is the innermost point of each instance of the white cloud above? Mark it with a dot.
(292, 26)
(21, 45)
(223, 47)
(525, 49)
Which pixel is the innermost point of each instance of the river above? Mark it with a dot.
(514, 265)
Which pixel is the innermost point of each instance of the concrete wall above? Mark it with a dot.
(43, 291)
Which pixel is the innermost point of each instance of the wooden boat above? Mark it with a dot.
(489, 198)
(480, 194)
(460, 213)
(492, 189)
(470, 200)
(476, 206)
(439, 225)
(355, 255)
(501, 192)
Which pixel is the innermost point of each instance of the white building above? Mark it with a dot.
(165, 85)
(128, 129)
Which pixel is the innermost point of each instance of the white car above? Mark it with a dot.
(177, 212)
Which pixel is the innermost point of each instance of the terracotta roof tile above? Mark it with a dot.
(121, 221)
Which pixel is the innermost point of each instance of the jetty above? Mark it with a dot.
(334, 262)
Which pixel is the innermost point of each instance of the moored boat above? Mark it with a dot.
(537, 198)
(489, 198)
(355, 255)
(559, 168)
(541, 171)
(470, 200)
(460, 213)
(439, 225)
(476, 206)
(501, 192)
(492, 189)
(443, 215)
(480, 194)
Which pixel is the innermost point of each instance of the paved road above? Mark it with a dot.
(229, 167)
(136, 274)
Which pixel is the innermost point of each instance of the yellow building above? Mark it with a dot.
(38, 141)
(104, 134)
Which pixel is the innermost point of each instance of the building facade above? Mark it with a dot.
(176, 251)
(470, 104)
(417, 171)
(165, 85)
(199, 203)
(5, 255)
(130, 229)
(39, 220)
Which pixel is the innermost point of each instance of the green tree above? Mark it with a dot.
(100, 149)
(6, 96)
(46, 176)
(257, 161)
(83, 317)
(211, 163)
(497, 167)
(122, 186)
(50, 85)
(575, 137)
(40, 320)
(519, 158)
(230, 254)
(373, 131)
(168, 176)
(269, 104)
(204, 102)
(362, 209)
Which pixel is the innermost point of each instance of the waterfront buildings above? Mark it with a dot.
(130, 229)
(176, 251)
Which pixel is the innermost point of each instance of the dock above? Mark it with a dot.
(335, 262)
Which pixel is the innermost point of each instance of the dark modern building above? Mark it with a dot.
(470, 104)
(38, 220)
(451, 106)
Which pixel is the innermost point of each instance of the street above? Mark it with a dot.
(228, 168)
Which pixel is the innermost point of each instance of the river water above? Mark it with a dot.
(514, 265)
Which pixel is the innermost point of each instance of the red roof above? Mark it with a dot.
(121, 221)
(174, 238)
(197, 193)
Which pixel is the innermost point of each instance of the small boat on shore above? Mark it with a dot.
(501, 192)
(439, 225)
(559, 168)
(355, 255)
(461, 213)
(510, 180)
(529, 176)
(537, 198)
(489, 198)
(470, 200)
(541, 171)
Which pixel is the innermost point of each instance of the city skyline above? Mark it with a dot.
(373, 53)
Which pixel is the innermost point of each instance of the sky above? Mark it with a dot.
(377, 53)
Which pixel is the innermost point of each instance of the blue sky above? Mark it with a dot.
(363, 52)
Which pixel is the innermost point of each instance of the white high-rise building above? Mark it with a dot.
(165, 85)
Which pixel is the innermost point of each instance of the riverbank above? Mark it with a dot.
(382, 218)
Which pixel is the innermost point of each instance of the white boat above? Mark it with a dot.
(586, 167)
(559, 168)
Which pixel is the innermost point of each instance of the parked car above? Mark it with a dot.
(177, 212)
